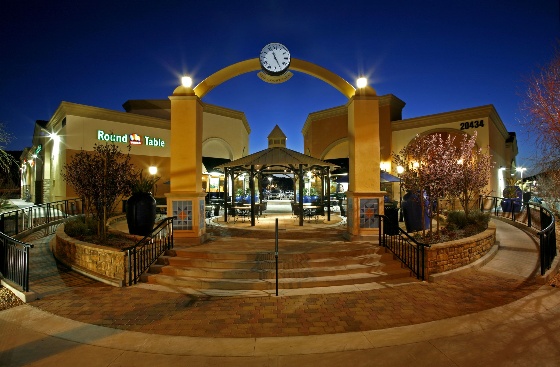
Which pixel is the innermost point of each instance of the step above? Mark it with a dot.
(270, 255)
(268, 272)
(284, 262)
(269, 284)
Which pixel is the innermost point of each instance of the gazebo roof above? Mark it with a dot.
(276, 157)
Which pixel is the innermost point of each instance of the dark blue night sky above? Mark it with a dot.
(437, 56)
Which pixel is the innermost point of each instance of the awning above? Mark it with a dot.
(210, 163)
(387, 177)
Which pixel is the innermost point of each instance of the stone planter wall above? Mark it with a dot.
(451, 255)
(100, 262)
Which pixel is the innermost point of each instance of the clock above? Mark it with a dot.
(275, 59)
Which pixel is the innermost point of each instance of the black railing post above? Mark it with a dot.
(276, 254)
(529, 223)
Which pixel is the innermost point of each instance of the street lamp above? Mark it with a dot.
(400, 170)
(520, 170)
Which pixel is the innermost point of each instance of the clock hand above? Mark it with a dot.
(273, 54)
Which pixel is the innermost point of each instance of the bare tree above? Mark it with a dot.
(100, 178)
(542, 109)
(6, 160)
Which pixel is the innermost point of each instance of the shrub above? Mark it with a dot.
(475, 221)
(456, 220)
(479, 220)
(80, 227)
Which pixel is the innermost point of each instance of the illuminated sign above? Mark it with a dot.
(133, 139)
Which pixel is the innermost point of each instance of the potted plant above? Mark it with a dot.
(141, 206)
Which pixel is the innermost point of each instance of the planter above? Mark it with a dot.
(141, 213)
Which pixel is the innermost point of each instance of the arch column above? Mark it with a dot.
(364, 197)
(185, 201)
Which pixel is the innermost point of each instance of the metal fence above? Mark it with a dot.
(142, 255)
(403, 246)
(532, 214)
(14, 261)
(16, 221)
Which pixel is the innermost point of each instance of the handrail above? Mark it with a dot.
(15, 221)
(14, 260)
(144, 253)
(534, 215)
(403, 246)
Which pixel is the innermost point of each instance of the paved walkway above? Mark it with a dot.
(495, 315)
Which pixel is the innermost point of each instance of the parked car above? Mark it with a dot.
(289, 194)
(275, 194)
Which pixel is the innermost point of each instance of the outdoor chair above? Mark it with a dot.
(320, 211)
(342, 211)
(263, 207)
(295, 210)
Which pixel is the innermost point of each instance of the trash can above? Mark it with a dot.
(391, 224)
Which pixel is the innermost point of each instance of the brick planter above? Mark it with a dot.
(103, 263)
(451, 255)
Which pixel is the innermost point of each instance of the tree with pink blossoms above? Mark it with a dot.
(427, 170)
(472, 172)
(440, 167)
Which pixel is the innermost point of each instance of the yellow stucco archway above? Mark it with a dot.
(306, 67)
(186, 198)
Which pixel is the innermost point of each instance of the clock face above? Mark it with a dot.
(275, 59)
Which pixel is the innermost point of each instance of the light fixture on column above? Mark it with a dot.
(186, 81)
(385, 166)
(361, 82)
(400, 170)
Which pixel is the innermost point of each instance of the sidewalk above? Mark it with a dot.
(491, 316)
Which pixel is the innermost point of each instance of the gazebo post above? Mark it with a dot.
(328, 193)
(301, 182)
(225, 194)
(252, 189)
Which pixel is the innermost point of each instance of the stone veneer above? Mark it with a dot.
(100, 262)
(451, 255)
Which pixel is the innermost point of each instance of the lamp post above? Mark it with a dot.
(400, 170)
(520, 170)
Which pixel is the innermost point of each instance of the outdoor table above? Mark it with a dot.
(310, 211)
(243, 210)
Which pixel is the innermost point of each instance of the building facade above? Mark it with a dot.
(144, 126)
(326, 136)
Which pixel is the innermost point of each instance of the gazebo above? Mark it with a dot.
(277, 159)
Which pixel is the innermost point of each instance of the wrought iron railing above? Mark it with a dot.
(409, 251)
(143, 254)
(14, 260)
(15, 221)
(532, 214)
